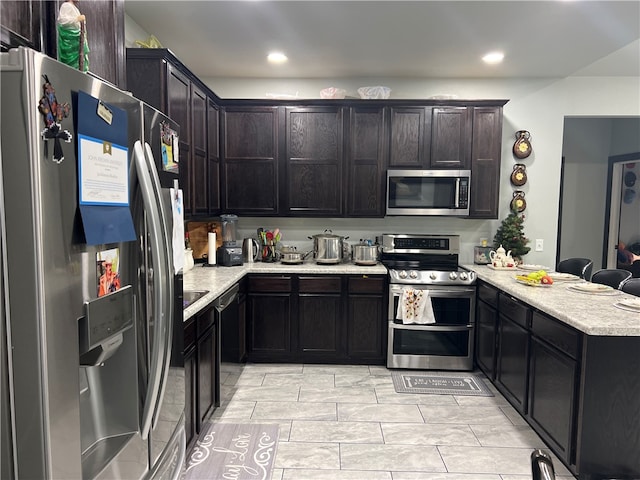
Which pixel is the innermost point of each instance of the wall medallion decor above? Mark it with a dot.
(518, 203)
(522, 147)
(519, 175)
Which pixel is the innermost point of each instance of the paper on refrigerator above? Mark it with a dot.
(177, 207)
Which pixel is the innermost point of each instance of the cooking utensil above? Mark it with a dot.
(292, 258)
(364, 254)
(327, 247)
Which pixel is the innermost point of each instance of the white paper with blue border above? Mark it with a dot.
(103, 172)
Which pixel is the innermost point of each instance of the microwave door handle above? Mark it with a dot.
(457, 199)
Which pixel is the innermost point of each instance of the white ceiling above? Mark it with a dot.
(408, 39)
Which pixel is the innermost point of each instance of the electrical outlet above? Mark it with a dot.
(539, 244)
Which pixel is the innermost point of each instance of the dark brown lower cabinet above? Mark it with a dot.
(269, 318)
(190, 381)
(512, 366)
(317, 318)
(552, 395)
(320, 330)
(201, 371)
(579, 392)
(486, 325)
(207, 373)
(366, 319)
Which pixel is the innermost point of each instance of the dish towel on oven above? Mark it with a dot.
(415, 307)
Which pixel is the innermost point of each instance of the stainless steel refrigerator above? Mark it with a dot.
(92, 378)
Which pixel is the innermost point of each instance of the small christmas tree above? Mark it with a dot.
(510, 235)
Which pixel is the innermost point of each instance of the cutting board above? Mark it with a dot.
(198, 235)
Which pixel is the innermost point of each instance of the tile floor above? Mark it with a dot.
(347, 423)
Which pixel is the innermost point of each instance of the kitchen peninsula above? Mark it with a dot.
(567, 361)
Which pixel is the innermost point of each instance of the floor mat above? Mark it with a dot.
(231, 450)
(450, 383)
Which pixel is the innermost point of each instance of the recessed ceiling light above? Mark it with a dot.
(277, 57)
(493, 58)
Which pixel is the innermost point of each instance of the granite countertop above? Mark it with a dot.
(218, 279)
(589, 313)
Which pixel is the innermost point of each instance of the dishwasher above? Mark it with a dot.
(227, 319)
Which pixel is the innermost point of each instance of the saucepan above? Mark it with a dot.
(363, 254)
(292, 257)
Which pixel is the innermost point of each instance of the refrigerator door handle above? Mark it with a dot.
(168, 294)
(157, 247)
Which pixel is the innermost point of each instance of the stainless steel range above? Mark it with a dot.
(431, 314)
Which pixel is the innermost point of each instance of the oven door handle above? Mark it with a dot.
(437, 292)
(430, 327)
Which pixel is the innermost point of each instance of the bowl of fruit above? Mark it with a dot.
(539, 278)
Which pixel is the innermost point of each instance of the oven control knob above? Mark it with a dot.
(463, 276)
(433, 275)
(453, 275)
(402, 274)
(413, 274)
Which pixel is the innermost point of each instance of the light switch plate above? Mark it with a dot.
(539, 244)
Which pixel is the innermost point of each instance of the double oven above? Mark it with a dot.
(429, 264)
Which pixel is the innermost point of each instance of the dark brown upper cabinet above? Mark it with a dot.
(33, 24)
(157, 77)
(213, 151)
(250, 164)
(450, 137)
(407, 138)
(366, 162)
(486, 150)
(314, 161)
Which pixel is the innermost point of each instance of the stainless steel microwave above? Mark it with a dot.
(428, 192)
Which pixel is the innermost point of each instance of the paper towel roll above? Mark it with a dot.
(211, 255)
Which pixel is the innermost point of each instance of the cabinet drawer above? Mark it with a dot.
(516, 311)
(324, 284)
(366, 284)
(204, 321)
(488, 294)
(270, 284)
(555, 333)
(189, 334)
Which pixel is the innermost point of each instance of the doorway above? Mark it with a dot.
(622, 217)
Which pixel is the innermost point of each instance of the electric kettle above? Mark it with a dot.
(250, 250)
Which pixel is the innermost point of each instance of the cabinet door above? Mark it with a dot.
(250, 161)
(178, 109)
(450, 137)
(512, 365)
(191, 395)
(199, 176)
(486, 321)
(269, 326)
(22, 24)
(366, 162)
(320, 326)
(366, 319)
(314, 161)
(207, 374)
(552, 395)
(407, 148)
(485, 162)
(213, 152)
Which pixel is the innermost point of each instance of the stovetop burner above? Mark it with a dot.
(424, 260)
